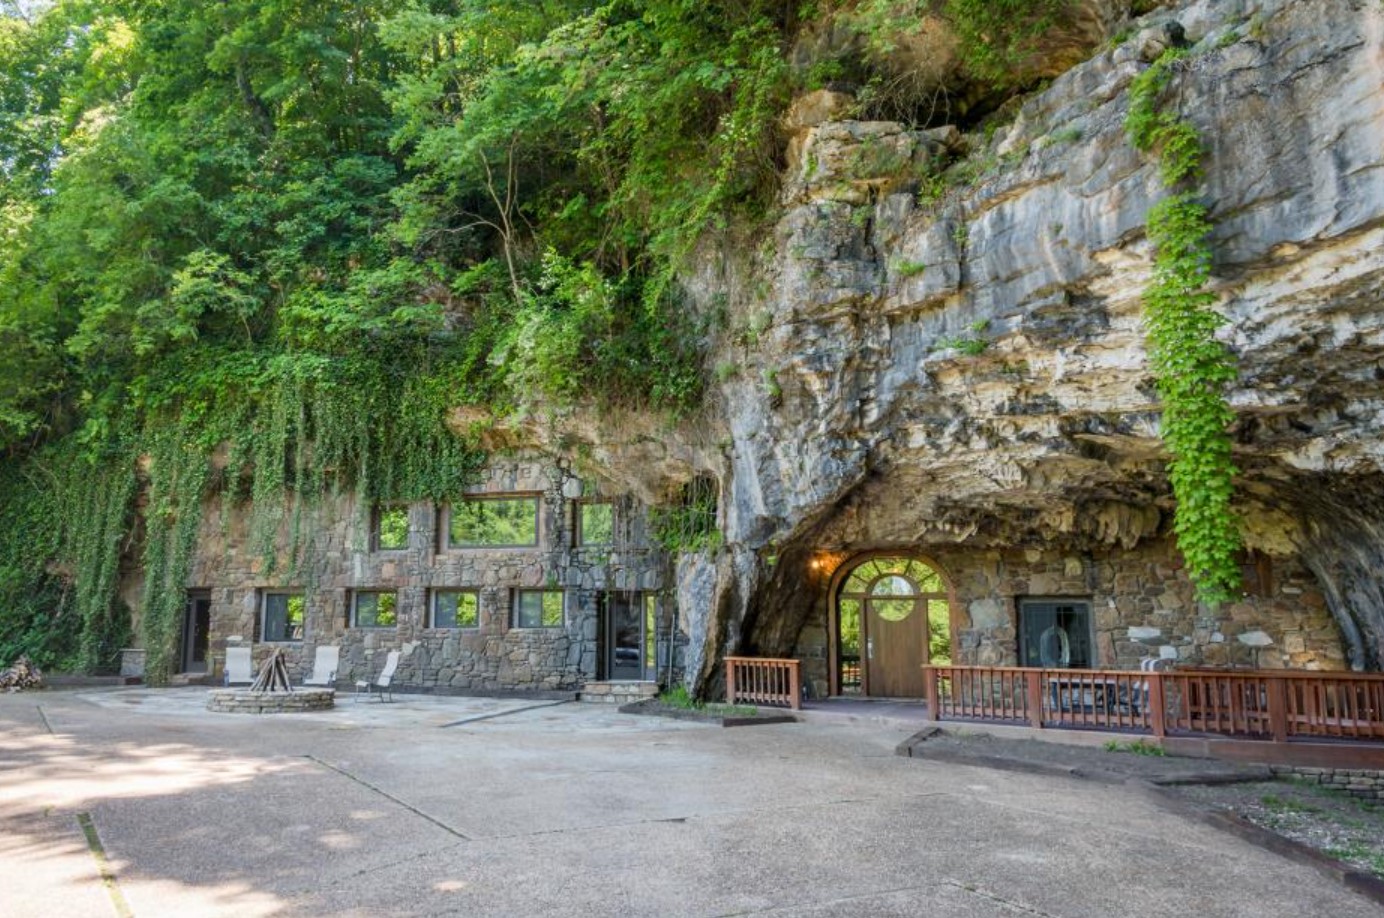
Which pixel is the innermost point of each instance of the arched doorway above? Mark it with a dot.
(890, 615)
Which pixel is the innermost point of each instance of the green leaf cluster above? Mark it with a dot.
(688, 523)
(264, 250)
(1191, 367)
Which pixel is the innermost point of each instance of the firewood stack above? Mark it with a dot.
(273, 675)
(22, 675)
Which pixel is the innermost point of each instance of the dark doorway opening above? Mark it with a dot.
(196, 631)
(628, 631)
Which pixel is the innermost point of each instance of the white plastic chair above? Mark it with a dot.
(324, 666)
(238, 668)
(380, 684)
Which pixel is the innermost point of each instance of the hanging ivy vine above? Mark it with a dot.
(178, 475)
(1191, 368)
(275, 436)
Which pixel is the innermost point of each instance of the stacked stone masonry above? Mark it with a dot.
(241, 701)
(1142, 606)
(1365, 784)
(618, 692)
(336, 560)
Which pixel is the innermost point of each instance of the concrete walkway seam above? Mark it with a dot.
(494, 714)
(103, 866)
(388, 796)
(44, 717)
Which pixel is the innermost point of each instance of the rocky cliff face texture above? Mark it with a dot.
(966, 367)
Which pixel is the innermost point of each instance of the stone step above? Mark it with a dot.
(617, 692)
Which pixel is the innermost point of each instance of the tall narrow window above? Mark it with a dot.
(494, 522)
(282, 616)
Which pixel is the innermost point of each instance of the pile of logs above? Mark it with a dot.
(22, 675)
(273, 675)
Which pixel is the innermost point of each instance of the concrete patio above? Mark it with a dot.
(459, 806)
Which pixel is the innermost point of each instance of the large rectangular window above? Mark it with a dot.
(595, 524)
(494, 522)
(455, 609)
(390, 530)
(282, 616)
(374, 610)
(1056, 633)
(538, 609)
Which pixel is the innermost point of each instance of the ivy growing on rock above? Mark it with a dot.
(262, 251)
(1191, 367)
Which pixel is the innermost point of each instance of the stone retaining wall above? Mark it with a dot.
(1366, 784)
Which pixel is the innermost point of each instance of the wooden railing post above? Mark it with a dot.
(1276, 695)
(730, 681)
(930, 693)
(1157, 704)
(795, 685)
(1033, 691)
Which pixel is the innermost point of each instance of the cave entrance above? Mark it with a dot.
(890, 615)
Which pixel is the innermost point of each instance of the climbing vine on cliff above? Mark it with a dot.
(1192, 369)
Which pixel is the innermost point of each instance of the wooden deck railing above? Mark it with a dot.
(762, 681)
(1252, 704)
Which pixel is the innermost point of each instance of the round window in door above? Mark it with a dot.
(892, 616)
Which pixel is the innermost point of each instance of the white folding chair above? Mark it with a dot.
(238, 668)
(324, 666)
(380, 684)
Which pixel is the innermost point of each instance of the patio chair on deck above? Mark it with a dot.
(238, 668)
(380, 684)
(324, 666)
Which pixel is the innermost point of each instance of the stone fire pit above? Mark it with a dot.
(271, 693)
(247, 701)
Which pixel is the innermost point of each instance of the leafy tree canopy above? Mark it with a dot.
(302, 232)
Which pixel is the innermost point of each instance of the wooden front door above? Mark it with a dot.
(895, 646)
(892, 615)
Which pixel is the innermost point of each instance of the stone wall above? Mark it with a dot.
(336, 559)
(1142, 606)
(1363, 783)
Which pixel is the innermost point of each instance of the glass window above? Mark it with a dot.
(538, 609)
(595, 524)
(282, 617)
(1055, 634)
(391, 528)
(456, 609)
(375, 610)
(494, 522)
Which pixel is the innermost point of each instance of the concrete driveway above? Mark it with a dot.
(450, 806)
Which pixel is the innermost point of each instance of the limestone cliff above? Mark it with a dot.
(966, 366)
